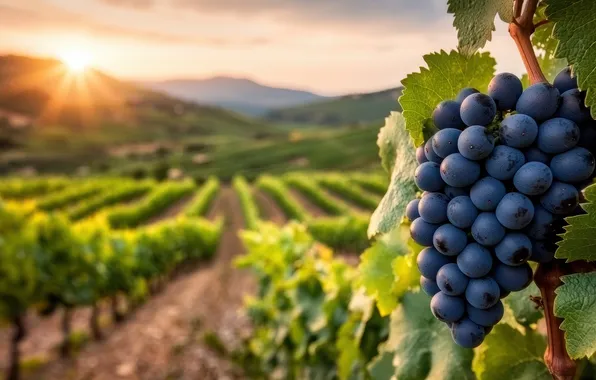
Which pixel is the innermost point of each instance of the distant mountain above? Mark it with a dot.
(345, 110)
(237, 94)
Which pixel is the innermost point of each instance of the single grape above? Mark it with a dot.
(504, 293)
(518, 131)
(542, 224)
(487, 193)
(515, 249)
(487, 330)
(504, 162)
(505, 89)
(573, 166)
(451, 280)
(486, 317)
(478, 109)
(467, 334)
(449, 240)
(573, 107)
(420, 155)
(482, 293)
(429, 286)
(475, 261)
(445, 142)
(535, 154)
(487, 230)
(539, 101)
(475, 143)
(446, 115)
(533, 178)
(560, 199)
(564, 81)
(543, 251)
(428, 177)
(429, 152)
(422, 232)
(557, 135)
(429, 262)
(458, 171)
(463, 94)
(512, 279)
(453, 192)
(412, 210)
(447, 308)
(461, 212)
(433, 207)
(515, 211)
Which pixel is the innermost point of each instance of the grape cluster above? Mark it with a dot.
(498, 177)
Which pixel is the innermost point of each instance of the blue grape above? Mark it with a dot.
(534, 178)
(518, 131)
(429, 286)
(475, 261)
(564, 81)
(486, 317)
(449, 240)
(464, 93)
(557, 135)
(475, 143)
(430, 261)
(573, 166)
(504, 162)
(453, 192)
(444, 142)
(573, 107)
(429, 152)
(467, 334)
(446, 115)
(461, 212)
(504, 293)
(515, 249)
(478, 109)
(451, 280)
(512, 279)
(539, 101)
(447, 308)
(535, 154)
(515, 211)
(560, 199)
(542, 224)
(505, 89)
(487, 230)
(487, 329)
(421, 155)
(487, 193)
(412, 210)
(458, 171)
(433, 207)
(543, 251)
(422, 232)
(428, 177)
(482, 293)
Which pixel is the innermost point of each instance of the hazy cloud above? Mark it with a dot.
(139, 4)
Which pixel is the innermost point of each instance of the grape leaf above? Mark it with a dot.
(446, 75)
(578, 240)
(576, 304)
(475, 21)
(388, 140)
(575, 28)
(421, 346)
(402, 188)
(524, 310)
(508, 354)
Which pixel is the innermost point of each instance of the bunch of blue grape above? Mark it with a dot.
(498, 177)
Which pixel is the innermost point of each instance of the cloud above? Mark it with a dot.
(138, 4)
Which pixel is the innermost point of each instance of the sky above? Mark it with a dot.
(331, 47)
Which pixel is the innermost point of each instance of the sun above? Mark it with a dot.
(76, 61)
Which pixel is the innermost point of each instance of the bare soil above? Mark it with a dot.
(269, 209)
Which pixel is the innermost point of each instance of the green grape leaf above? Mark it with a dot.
(578, 240)
(402, 188)
(508, 354)
(475, 21)
(446, 75)
(574, 27)
(576, 304)
(389, 139)
(381, 367)
(524, 310)
(421, 346)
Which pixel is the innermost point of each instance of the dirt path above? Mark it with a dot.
(174, 209)
(269, 209)
(312, 208)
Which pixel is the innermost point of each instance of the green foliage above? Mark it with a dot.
(70, 195)
(344, 233)
(247, 202)
(17, 188)
(342, 186)
(315, 194)
(203, 199)
(576, 304)
(374, 183)
(574, 28)
(278, 191)
(474, 21)
(525, 311)
(426, 89)
(577, 243)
